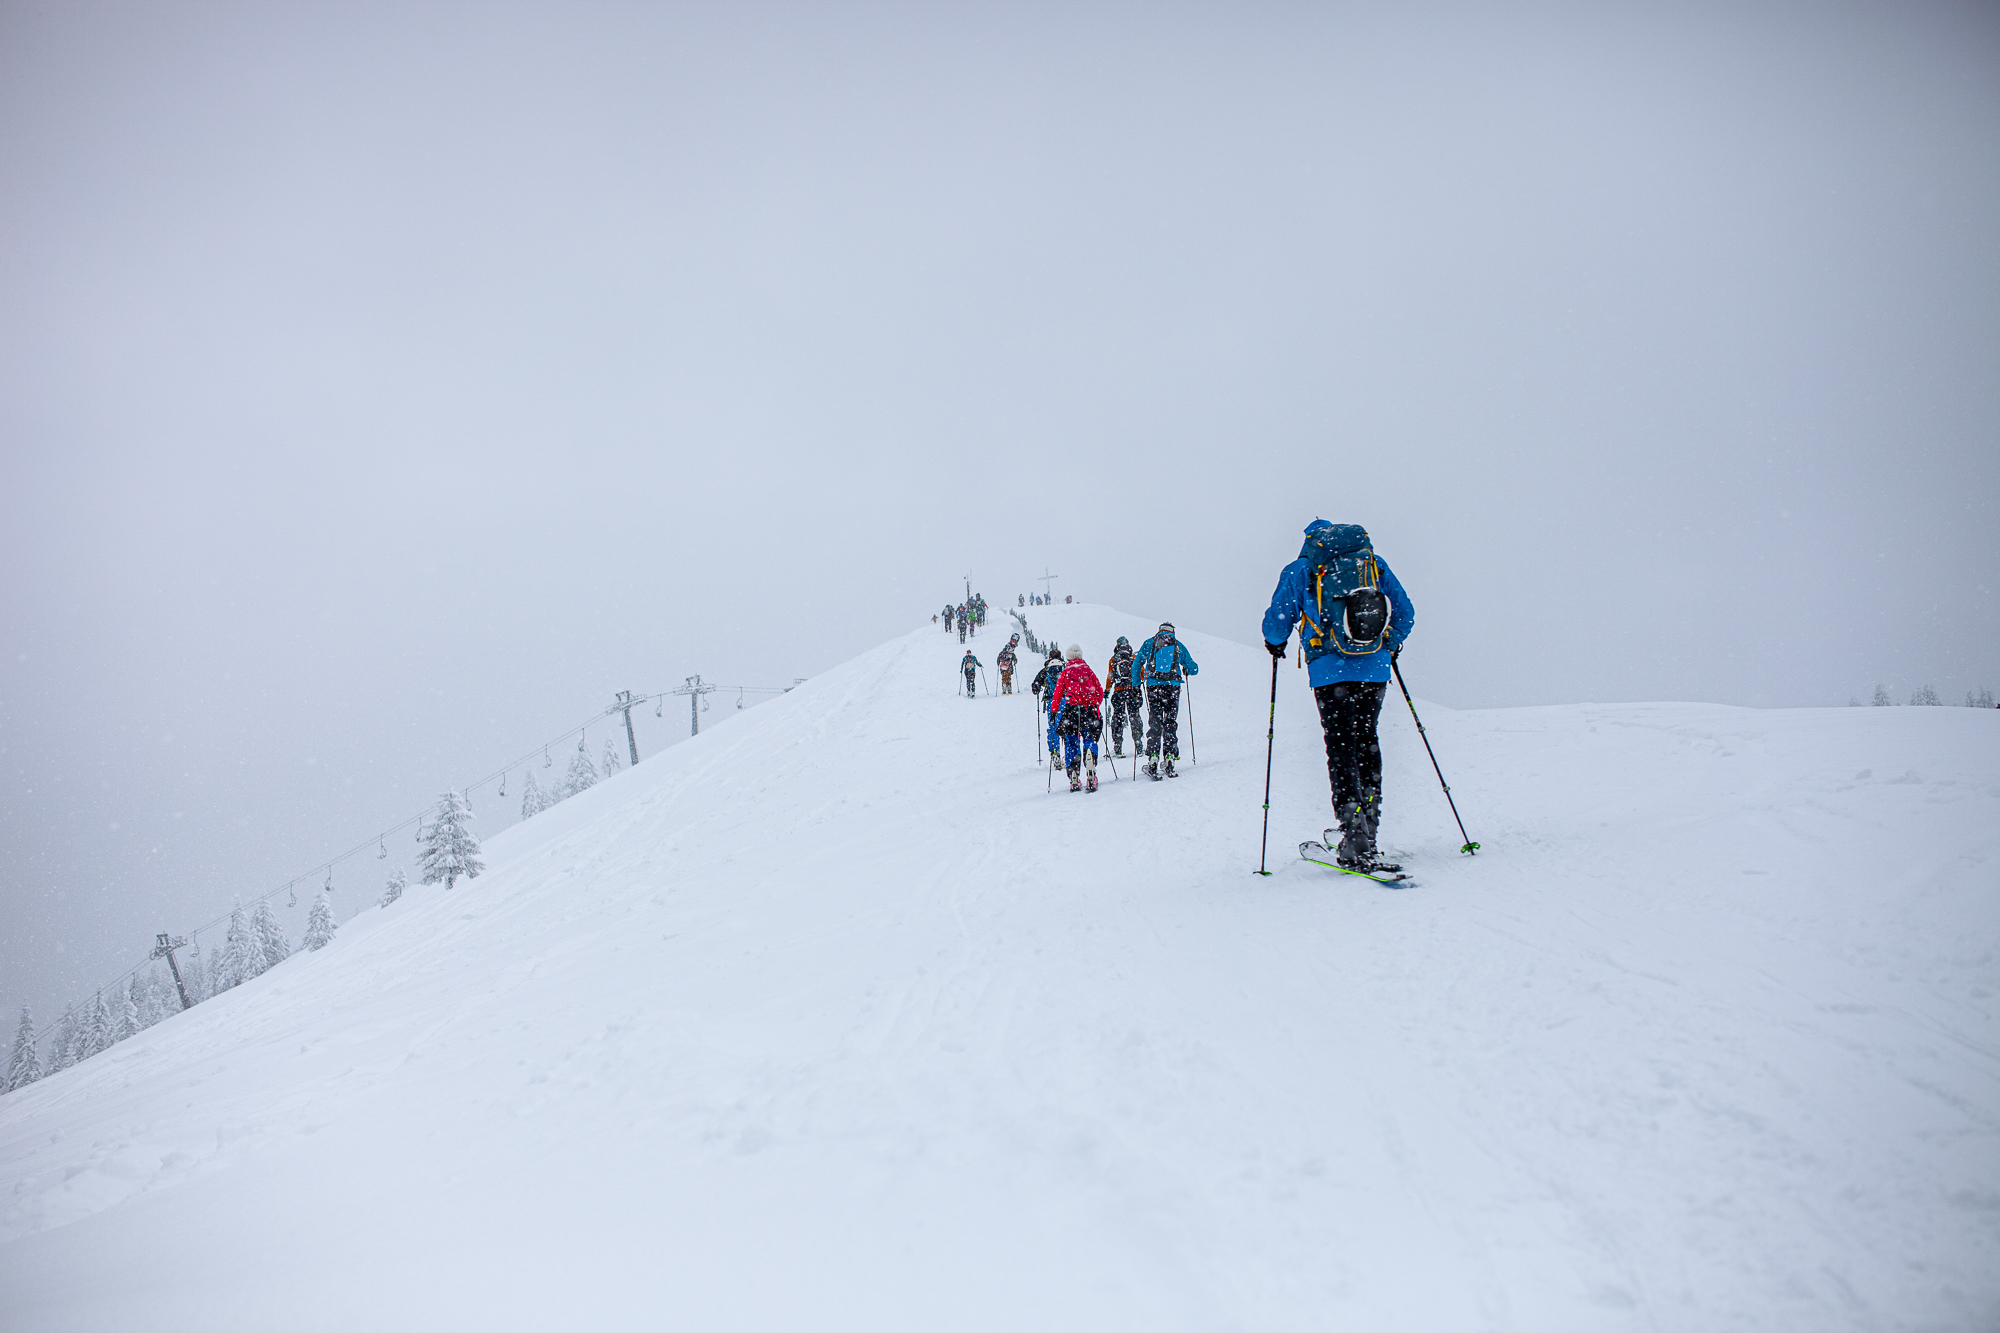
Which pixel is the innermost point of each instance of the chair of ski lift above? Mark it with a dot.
(383, 855)
(503, 782)
(293, 889)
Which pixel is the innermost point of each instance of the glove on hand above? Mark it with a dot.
(1277, 650)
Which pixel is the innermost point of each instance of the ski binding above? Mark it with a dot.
(1321, 855)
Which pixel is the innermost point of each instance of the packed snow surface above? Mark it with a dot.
(833, 1018)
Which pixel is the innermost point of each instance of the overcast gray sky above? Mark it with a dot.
(382, 386)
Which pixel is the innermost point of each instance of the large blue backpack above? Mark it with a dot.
(1346, 611)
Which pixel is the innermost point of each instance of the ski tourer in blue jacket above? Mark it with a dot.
(1293, 599)
(1162, 660)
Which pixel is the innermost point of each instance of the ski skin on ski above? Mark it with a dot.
(1387, 879)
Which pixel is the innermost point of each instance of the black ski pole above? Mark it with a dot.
(1470, 846)
(1270, 743)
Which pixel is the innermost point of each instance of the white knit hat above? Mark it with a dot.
(1072, 652)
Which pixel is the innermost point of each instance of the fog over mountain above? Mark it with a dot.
(382, 386)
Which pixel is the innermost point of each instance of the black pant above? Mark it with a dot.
(1125, 707)
(969, 686)
(1348, 712)
(1163, 720)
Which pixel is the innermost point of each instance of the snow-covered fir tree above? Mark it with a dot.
(1881, 699)
(269, 936)
(393, 890)
(1984, 699)
(319, 924)
(533, 801)
(125, 1012)
(98, 1028)
(146, 997)
(582, 776)
(239, 958)
(1924, 697)
(610, 762)
(25, 1065)
(62, 1053)
(449, 849)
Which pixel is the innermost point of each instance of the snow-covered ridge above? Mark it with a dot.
(833, 1018)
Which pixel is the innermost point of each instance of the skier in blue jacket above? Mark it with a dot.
(1159, 667)
(1350, 639)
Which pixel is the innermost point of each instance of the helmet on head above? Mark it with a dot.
(1167, 628)
(1124, 642)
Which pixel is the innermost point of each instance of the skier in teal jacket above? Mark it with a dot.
(1160, 667)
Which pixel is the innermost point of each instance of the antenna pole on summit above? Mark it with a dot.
(1047, 580)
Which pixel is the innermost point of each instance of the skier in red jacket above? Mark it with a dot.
(1075, 699)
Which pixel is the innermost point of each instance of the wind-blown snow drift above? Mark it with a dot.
(832, 1019)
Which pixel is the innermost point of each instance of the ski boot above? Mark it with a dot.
(1376, 863)
(1172, 772)
(1357, 847)
(1153, 768)
(1075, 777)
(1090, 772)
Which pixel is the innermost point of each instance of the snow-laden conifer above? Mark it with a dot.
(125, 1012)
(25, 1065)
(146, 997)
(319, 924)
(582, 775)
(62, 1054)
(449, 849)
(99, 1028)
(1925, 697)
(533, 801)
(393, 890)
(272, 946)
(610, 764)
(239, 959)
(1881, 699)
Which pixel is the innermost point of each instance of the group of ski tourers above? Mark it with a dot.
(1073, 699)
(1352, 617)
(966, 617)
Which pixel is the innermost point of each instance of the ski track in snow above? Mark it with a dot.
(831, 1018)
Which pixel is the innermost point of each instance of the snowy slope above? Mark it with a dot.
(832, 1019)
